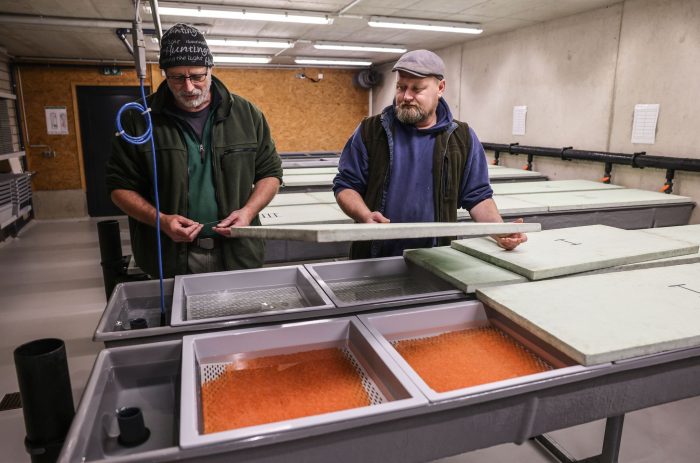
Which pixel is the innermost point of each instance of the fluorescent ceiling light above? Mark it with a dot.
(332, 62)
(257, 43)
(359, 47)
(423, 25)
(289, 16)
(242, 59)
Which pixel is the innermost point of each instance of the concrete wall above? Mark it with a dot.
(659, 62)
(580, 77)
(383, 95)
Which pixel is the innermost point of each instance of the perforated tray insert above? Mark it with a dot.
(365, 289)
(306, 393)
(227, 303)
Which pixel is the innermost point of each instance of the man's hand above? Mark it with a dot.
(375, 217)
(510, 242)
(180, 229)
(240, 218)
(354, 206)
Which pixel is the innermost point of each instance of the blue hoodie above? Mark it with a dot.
(409, 196)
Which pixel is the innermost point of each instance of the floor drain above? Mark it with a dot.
(10, 402)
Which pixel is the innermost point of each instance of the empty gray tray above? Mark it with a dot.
(206, 356)
(129, 301)
(376, 283)
(423, 322)
(238, 294)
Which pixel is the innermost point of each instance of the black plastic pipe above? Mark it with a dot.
(638, 160)
(47, 399)
(111, 257)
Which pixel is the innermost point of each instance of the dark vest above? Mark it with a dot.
(449, 160)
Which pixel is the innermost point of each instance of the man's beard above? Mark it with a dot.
(409, 113)
(202, 97)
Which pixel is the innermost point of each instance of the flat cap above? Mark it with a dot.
(421, 63)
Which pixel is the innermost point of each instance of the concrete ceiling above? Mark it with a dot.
(47, 29)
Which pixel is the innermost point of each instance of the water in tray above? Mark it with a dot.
(228, 303)
(364, 289)
(147, 308)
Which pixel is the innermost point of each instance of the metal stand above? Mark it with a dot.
(611, 444)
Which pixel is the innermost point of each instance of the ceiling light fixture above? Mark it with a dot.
(253, 14)
(242, 59)
(424, 25)
(332, 62)
(254, 43)
(360, 47)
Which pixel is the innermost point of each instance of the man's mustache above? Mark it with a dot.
(195, 92)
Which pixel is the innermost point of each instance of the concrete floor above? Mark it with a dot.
(51, 286)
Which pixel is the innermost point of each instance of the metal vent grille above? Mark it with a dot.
(6, 145)
(10, 402)
(365, 289)
(212, 371)
(228, 303)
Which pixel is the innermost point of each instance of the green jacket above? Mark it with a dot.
(243, 152)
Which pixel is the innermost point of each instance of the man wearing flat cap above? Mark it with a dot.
(217, 167)
(415, 163)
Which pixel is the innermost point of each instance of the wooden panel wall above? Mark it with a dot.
(303, 116)
(49, 85)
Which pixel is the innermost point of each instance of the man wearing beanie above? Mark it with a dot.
(217, 167)
(415, 163)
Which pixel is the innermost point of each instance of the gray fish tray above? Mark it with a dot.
(142, 300)
(425, 322)
(129, 301)
(208, 297)
(206, 356)
(379, 283)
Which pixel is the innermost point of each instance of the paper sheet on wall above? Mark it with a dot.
(644, 126)
(519, 113)
(56, 120)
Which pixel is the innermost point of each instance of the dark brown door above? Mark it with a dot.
(98, 107)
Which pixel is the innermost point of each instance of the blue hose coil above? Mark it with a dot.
(140, 140)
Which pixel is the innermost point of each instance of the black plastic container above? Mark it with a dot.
(47, 399)
(138, 323)
(132, 430)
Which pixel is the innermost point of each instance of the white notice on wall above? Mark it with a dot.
(519, 113)
(644, 126)
(56, 120)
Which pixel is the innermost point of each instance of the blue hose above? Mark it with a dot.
(140, 140)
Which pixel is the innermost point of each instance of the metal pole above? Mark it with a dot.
(612, 439)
